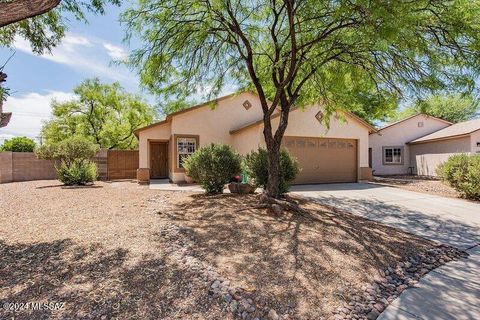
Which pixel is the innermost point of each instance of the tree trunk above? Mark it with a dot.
(273, 189)
(16, 10)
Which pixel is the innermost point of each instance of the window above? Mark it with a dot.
(393, 155)
(185, 147)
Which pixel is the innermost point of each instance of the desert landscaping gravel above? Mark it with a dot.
(120, 250)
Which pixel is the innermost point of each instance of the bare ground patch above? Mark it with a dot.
(118, 250)
(427, 185)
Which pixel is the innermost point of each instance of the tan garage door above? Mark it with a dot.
(324, 160)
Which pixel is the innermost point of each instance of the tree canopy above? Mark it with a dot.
(44, 31)
(18, 144)
(103, 113)
(450, 107)
(358, 55)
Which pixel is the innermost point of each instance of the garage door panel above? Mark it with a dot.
(324, 160)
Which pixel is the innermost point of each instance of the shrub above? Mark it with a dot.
(256, 166)
(78, 173)
(213, 166)
(18, 144)
(73, 156)
(462, 172)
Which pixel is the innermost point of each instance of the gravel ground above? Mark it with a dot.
(97, 249)
(418, 184)
(119, 250)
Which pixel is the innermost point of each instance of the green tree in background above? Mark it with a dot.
(451, 107)
(18, 144)
(355, 55)
(103, 113)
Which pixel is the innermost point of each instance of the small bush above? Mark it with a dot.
(256, 166)
(73, 156)
(78, 173)
(18, 144)
(462, 172)
(213, 166)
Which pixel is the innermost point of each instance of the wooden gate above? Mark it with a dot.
(122, 164)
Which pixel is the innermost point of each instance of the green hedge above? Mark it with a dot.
(462, 172)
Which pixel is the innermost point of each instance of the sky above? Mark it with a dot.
(87, 50)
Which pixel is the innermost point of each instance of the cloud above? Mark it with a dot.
(115, 52)
(86, 55)
(29, 112)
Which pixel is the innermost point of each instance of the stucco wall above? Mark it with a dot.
(161, 132)
(426, 157)
(303, 123)
(474, 139)
(398, 135)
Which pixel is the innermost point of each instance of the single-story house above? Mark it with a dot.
(418, 144)
(325, 155)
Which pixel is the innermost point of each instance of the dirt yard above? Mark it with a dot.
(418, 184)
(119, 250)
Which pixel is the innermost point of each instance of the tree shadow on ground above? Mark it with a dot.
(300, 263)
(95, 283)
(433, 227)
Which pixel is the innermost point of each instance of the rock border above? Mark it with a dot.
(371, 300)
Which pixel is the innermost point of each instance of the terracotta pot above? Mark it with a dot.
(188, 179)
(242, 188)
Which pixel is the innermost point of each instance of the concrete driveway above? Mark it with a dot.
(449, 292)
(450, 221)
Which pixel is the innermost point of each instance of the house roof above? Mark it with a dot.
(413, 116)
(454, 131)
(260, 121)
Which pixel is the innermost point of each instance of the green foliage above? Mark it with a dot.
(18, 144)
(213, 166)
(103, 113)
(171, 106)
(44, 32)
(355, 55)
(256, 166)
(462, 172)
(77, 173)
(451, 107)
(73, 157)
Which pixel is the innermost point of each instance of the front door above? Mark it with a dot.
(158, 160)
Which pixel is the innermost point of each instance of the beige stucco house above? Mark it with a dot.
(418, 144)
(335, 154)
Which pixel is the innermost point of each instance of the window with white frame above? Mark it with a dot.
(393, 155)
(185, 147)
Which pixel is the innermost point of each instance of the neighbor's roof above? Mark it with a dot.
(454, 131)
(408, 118)
(260, 121)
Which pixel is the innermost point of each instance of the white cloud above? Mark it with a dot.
(115, 52)
(86, 55)
(29, 112)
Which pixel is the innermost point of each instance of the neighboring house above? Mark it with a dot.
(418, 144)
(336, 154)
(427, 152)
(388, 149)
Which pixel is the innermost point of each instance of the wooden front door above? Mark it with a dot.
(158, 160)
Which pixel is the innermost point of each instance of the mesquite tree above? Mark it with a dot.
(351, 54)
